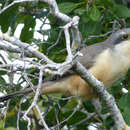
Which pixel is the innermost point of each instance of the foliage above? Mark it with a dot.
(96, 18)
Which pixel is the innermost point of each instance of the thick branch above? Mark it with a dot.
(100, 89)
(24, 46)
(7, 47)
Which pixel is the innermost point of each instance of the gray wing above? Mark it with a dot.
(90, 52)
(87, 60)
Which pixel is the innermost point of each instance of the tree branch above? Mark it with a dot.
(105, 96)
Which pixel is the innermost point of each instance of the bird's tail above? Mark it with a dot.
(59, 86)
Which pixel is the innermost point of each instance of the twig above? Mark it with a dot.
(5, 46)
(96, 36)
(75, 110)
(3, 58)
(25, 46)
(57, 41)
(34, 103)
(83, 121)
(18, 114)
(13, 3)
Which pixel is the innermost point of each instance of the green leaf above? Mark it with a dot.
(7, 18)
(121, 11)
(1, 124)
(3, 72)
(85, 18)
(10, 128)
(49, 116)
(25, 105)
(28, 29)
(90, 28)
(89, 106)
(78, 116)
(80, 11)
(127, 115)
(67, 7)
(116, 88)
(109, 122)
(124, 101)
(2, 81)
(71, 105)
(107, 2)
(11, 121)
(95, 14)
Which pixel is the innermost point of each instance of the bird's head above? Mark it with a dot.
(121, 41)
(119, 36)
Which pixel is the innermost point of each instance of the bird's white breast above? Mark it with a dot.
(112, 64)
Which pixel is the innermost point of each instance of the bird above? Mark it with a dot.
(107, 61)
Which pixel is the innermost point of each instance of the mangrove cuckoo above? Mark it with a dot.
(107, 61)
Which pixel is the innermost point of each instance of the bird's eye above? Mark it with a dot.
(124, 37)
